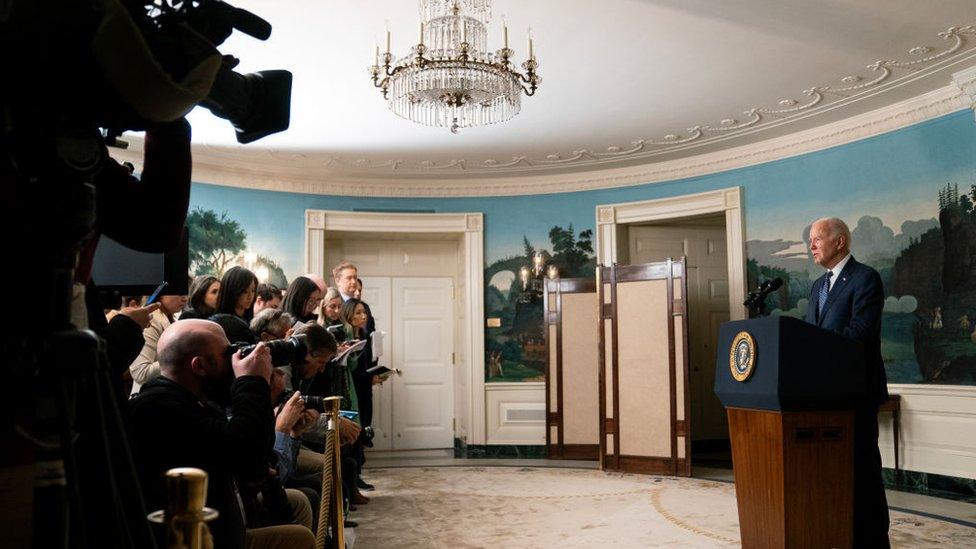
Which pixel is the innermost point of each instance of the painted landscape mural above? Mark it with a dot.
(516, 349)
(907, 195)
(928, 269)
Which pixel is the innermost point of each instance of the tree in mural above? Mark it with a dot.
(516, 349)
(215, 241)
(572, 254)
(276, 275)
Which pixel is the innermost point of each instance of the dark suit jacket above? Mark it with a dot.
(853, 309)
(170, 427)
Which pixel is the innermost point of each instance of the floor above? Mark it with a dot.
(386, 464)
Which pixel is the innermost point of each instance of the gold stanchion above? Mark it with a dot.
(185, 516)
(331, 514)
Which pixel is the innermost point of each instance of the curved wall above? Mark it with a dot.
(891, 189)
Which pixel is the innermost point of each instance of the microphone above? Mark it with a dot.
(758, 296)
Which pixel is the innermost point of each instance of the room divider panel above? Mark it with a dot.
(572, 369)
(643, 378)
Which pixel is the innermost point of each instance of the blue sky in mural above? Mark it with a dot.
(894, 177)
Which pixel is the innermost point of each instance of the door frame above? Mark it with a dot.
(610, 217)
(469, 381)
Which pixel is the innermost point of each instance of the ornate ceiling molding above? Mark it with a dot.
(323, 173)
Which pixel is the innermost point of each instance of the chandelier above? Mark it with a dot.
(533, 284)
(450, 79)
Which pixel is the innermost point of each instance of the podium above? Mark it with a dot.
(790, 389)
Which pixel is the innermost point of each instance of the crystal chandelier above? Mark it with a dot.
(450, 79)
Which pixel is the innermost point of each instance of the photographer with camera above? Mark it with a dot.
(178, 420)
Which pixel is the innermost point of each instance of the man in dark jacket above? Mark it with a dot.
(848, 299)
(175, 423)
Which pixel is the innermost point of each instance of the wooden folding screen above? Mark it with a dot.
(572, 369)
(643, 379)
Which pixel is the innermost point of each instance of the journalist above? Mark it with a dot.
(178, 420)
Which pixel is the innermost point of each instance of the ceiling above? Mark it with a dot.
(625, 82)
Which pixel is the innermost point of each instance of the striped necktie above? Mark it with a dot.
(824, 290)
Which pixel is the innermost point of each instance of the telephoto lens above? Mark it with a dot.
(313, 402)
(284, 352)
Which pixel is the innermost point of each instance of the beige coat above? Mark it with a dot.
(145, 366)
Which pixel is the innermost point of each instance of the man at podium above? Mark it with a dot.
(848, 299)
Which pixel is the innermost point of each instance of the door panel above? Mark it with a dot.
(423, 328)
(708, 303)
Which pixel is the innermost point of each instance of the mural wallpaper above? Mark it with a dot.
(517, 349)
(928, 270)
(908, 197)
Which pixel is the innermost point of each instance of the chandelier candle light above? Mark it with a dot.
(450, 79)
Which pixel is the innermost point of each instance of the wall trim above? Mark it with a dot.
(274, 171)
(609, 217)
(470, 228)
(938, 429)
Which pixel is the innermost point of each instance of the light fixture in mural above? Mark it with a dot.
(533, 284)
(450, 79)
(252, 262)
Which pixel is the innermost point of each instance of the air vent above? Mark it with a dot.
(525, 414)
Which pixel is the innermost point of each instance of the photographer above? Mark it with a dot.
(177, 421)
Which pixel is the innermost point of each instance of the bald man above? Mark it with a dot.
(178, 420)
(848, 299)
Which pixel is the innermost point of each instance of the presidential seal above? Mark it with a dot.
(742, 356)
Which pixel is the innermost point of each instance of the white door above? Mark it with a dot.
(708, 305)
(377, 291)
(423, 345)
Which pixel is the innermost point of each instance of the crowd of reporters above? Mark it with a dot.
(230, 379)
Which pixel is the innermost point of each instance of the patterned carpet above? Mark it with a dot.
(470, 507)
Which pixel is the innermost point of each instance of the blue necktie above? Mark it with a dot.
(824, 290)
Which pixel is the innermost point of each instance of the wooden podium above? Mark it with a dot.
(789, 389)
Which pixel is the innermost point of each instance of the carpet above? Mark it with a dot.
(473, 507)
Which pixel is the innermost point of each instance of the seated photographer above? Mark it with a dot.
(203, 296)
(265, 499)
(178, 420)
(269, 297)
(145, 366)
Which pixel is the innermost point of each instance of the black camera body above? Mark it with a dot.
(284, 352)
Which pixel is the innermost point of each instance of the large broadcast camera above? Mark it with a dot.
(183, 36)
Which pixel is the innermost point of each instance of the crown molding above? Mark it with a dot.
(323, 173)
(945, 100)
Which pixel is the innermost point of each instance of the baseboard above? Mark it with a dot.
(498, 451)
(582, 452)
(931, 484)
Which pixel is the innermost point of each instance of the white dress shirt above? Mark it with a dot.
(838, 268)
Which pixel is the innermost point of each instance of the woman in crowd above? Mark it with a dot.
(302, 299)
(330, 309)
(238, 288)
(204, 292)
(145, 366)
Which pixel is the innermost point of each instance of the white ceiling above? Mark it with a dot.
(618, 76)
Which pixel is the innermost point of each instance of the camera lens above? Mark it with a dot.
(313, 402)
(284, 352)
